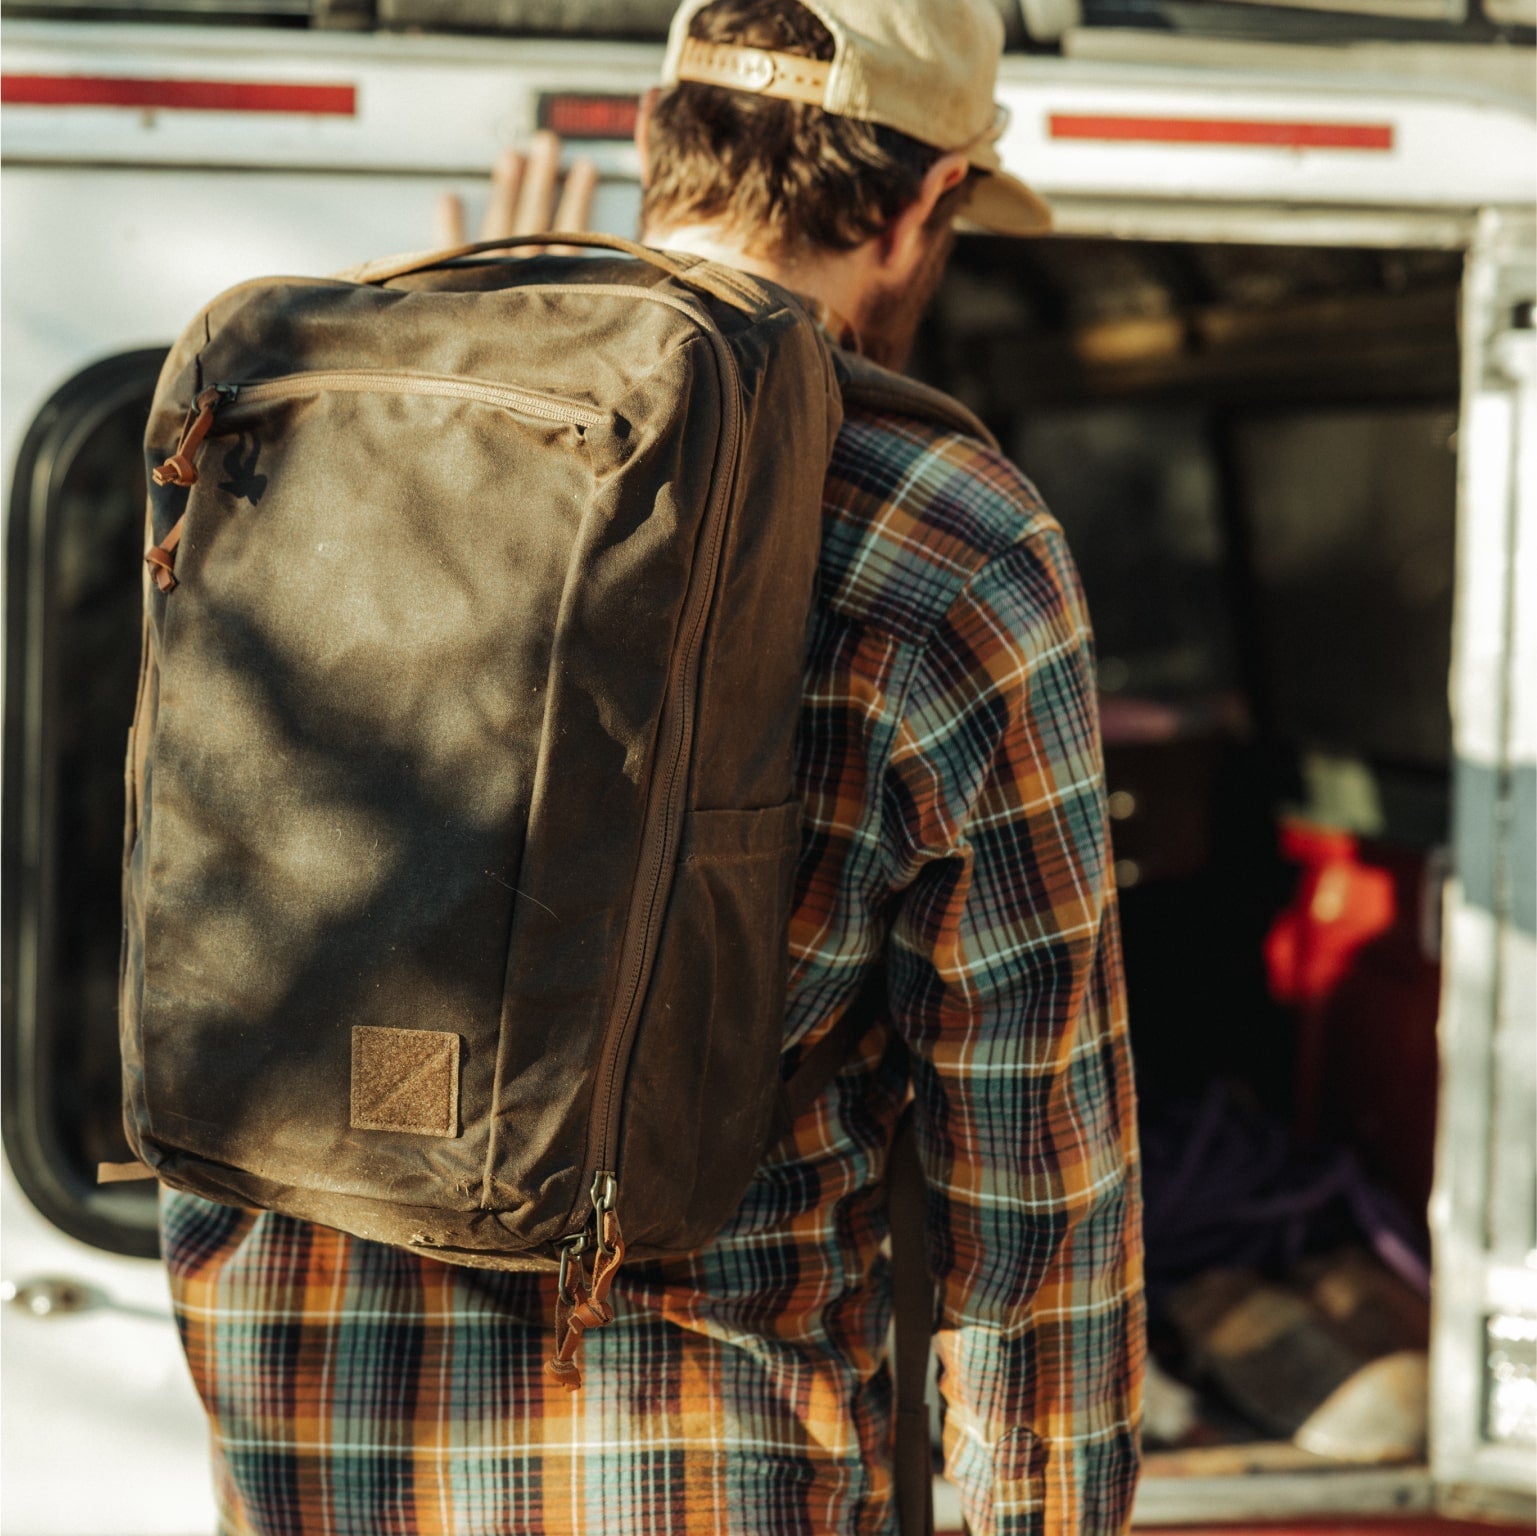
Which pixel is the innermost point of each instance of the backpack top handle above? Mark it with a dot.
(692, 270)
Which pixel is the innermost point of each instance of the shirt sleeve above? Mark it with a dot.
(1005, 979)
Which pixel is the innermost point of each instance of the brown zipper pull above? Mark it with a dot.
(161, 560)
(179, 468)
(579, 1305)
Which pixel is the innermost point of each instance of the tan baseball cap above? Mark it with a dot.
(924, 67)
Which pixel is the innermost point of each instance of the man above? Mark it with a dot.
(955, 838)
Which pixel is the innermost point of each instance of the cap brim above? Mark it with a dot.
(1001, 204)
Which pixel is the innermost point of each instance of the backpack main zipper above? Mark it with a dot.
(580, 1304)
(663, 847)
(221, 400)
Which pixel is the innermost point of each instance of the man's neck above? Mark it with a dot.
(835, 281)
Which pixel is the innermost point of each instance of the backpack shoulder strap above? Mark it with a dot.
(881, 389)
(863, 383)
(912, 1306)
(912, 1288)
(822, 1063)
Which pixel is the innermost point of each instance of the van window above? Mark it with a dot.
(72, 617)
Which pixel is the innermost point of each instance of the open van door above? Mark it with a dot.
(1258, 279)
(1484, 1211)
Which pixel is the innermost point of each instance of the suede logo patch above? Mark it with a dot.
(405, 1080)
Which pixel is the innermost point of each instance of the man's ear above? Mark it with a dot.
(903, 243)
(643, 111)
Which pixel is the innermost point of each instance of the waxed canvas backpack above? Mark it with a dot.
(461, 832)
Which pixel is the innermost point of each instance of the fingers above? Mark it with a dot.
(536, 202)
(447, 221)
(575, 210)
(502, 208)
(522, 198)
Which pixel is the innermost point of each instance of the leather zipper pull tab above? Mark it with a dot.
(582, 1304)
(161, 560)
(562, 1366)
(179, 469)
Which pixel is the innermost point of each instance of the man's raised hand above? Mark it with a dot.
(523, 198)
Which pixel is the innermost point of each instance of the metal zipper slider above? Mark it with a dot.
(179, 469)
(605, 1190)
(571, 1252)
(581, 1302)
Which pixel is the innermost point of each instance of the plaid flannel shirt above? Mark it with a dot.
(955, 832)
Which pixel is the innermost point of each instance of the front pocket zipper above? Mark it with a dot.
(221, 400)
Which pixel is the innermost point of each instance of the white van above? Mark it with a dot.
(1275, 372)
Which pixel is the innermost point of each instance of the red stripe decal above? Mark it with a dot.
(177, 95)
(1215, 130)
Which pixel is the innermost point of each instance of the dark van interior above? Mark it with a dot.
(1253, 452)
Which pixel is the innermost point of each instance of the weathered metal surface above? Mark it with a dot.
(1483, 1215)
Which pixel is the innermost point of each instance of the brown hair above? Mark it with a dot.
(790, 178)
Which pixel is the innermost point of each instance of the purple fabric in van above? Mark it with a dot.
(1229, 1186)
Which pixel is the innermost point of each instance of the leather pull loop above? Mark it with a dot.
(177, 470)
(181, 467)
(161, 560)
(581, 1305)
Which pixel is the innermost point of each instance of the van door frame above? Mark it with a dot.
(1488, 1032)
(1481, 1211)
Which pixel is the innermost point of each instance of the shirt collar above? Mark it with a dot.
(840, 330)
